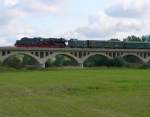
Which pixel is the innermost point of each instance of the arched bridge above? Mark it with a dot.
(41, 55)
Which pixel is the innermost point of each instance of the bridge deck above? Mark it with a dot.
(74, 49)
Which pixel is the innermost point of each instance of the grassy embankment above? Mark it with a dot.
(75, 93)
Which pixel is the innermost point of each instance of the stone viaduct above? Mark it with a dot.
(42, 55)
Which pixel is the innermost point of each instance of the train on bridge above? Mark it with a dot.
(75, 43)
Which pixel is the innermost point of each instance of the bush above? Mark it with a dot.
(145, 66)
(6, 69)
(27, 60)
(96, 61)
(116, 62)
(60, 61)
(14, 62)
(49, 63)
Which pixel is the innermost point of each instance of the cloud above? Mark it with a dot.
(121, 18)
(101, 25)
(128, 8)
(31, 6)
(13, 15)
(36, 6)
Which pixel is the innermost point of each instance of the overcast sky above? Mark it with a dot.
(82, 19)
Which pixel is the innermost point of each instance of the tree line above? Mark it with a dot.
(133, 38)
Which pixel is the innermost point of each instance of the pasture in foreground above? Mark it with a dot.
(75, 93)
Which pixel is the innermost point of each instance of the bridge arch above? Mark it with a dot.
(64, 54)
(134, 55)
(94, 54)
(20, 53)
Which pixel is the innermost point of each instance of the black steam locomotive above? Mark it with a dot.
(41, 42)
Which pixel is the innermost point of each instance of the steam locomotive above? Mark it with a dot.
(74, 43)
(41, 42)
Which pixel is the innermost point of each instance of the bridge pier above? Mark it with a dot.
(42, 66)
(81, 65)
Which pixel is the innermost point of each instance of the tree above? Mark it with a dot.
(117, 62)
(146, 38)
(113, 39)
(14, 62)
(132, 59)
(27, 60)
(96, 61)
(61, 60)
(49, 63)
(133, 38)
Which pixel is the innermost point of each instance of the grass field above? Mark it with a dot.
(75, 93)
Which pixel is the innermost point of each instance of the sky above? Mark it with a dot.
(80, 19)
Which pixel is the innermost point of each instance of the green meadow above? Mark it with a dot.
(101, 92)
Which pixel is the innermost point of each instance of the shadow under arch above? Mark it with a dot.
(132, 58)
(95, 60)
(62, 59)
(21, 54)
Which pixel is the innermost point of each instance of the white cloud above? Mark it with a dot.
(10, 2)
(122, 18)
(36, 6)
(32, 6)
(129, 8)
(101, 25)
(13, 14)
